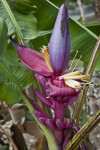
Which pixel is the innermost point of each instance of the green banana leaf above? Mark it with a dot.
(82, 39)
(43, 18)
(9, 87)
(94, 27)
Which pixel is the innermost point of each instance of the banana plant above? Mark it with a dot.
(61, 85)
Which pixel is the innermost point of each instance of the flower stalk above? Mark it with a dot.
(89, 71)
(59, 116)
(61, 89)
(84, 132)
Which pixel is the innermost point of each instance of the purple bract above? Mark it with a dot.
(61, 89)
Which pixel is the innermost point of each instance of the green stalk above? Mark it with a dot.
(49, 135)
(13, 20)
(47, 132)
(89, 71)
(84, 132)
(52, 4)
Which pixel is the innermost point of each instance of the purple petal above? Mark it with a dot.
(67, 124)
(59, 124)
(42, 120)
(32, 59)
(50, 124)
(41, 79)
(66, 141)
(71, 99)
(58, 88)
(43, 99)
(83, 146)
(39, 109)
(39, 114)
(47, 122)
(76, 127)
(59, 47)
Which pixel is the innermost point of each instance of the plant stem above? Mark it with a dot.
(59, 111)
(84, 132)
(49, 136)
(89, 71)
(59, 116)
(13, 20)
